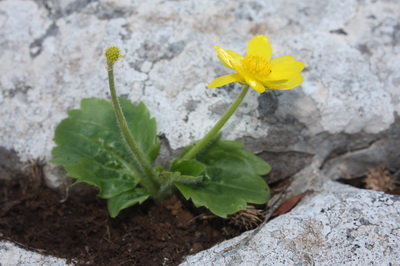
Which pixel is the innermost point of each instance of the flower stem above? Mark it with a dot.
(217, 127)
(147, 175)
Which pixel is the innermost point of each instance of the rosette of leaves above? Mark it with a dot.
(222, 177)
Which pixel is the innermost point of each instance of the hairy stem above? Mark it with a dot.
(147, 176)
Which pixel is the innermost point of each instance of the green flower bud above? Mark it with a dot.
(113, 54)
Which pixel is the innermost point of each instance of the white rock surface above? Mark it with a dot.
(344, 118)
(11, 255)
(52, 57)
(339, 225)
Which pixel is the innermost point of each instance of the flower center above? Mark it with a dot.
(257, 65)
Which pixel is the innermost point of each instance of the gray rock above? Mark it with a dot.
(333, 224)
(53, 58)
(11, 255)
(339, 225)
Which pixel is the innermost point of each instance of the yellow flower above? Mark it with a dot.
(257, 69)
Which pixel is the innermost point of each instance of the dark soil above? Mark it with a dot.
(34, 216)
(80, 230)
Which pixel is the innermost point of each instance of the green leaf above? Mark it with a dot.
(125, 200)
(92, 149)
(189, 167)
(234, 179)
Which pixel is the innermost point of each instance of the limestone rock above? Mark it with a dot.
(339, 225)
(52, 57)
(11, 255)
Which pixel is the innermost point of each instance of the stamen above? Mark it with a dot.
(257, 65)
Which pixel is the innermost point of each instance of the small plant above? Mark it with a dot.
(212, 172)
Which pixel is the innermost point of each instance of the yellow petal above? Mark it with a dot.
(221, 81)
(284, 80)
(227, 57)
(283, 59)
(234, 54)
(255, 84)
(260, 46)
(279, 75)
(286, 63)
